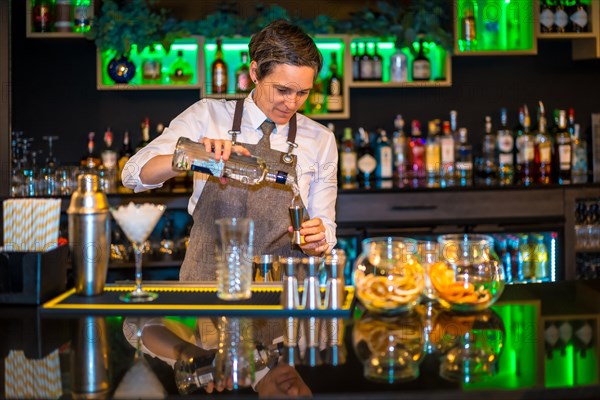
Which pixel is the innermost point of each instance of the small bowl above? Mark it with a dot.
(387, 275)
(469, 277)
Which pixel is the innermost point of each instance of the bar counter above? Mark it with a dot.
(539, 341)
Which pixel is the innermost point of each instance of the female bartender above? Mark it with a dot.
(284, 65)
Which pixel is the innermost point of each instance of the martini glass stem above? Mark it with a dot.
(139, 250)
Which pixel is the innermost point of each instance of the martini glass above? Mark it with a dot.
(137, 222)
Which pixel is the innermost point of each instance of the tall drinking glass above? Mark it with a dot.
(234, 257)
(138, 221)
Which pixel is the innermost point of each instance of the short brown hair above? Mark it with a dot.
(281, 42)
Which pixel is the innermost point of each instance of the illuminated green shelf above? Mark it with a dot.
(441, 65)
(189, 48)
(502, 27)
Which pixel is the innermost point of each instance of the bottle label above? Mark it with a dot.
(561, 19)
(109, 159)
(335, 103)
(348, 161)
(447, 153)
(244, 82)
(505, 143)
(219, 77)
(367, 164)
(432, 157)
(580, 18)
(210, 167)
(421, 70)
(386, 162)
(545, 153)
(469, 29)
(464, 166)
(151, 69)
(366, 69)
(564, 156)
(505, 159)
(547, 18)
(580, 159)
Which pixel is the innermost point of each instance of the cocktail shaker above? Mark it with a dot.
(89, 235)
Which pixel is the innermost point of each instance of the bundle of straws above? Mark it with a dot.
(31, 224)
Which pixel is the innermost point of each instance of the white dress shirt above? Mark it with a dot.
(316, 153)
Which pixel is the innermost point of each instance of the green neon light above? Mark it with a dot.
(228, 46)
(329, 46)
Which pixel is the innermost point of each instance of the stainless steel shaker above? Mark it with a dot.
(89, 359)
(89, 235)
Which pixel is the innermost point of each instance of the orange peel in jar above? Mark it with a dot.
(443, 280)
(392, 291)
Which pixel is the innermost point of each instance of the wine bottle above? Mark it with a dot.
(219, 71)
(243, 82)
(506, 151)
(563, 150)
(145, 128)
(334, 93)
(421, 70)
(181, 71)
(348, 160)
(543, 149)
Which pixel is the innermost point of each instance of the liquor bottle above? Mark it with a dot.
(401, 156)
(505, 257)
(124, 156)
(579, 17)
(195, 373)
(356, 61)
(366, 160)
(561, 19)
(82, 15)
(109, 163)
(491, 17)
(563, 150)
(421, 69)
(539, 265)
(192, 156)
(433, 159)
(571, 121)
(383, 156)
(243, 81)
(398, 66)
(447, 156)
(525, 145)
(316, 98)
(366, 64)
(335, 93)
(90, 162)
(513, 26)
(145, 127)
(525, 255)
(464, 159)
(219, 71)
(181, 71)
(42, 15)
(454, 125)
(152, 66)
(579, 165)
(417, 155)
(468, 40)
(377, 64)
(487, 170)
(506, 151)
(543, 150)
(348, 161)
(546, 16)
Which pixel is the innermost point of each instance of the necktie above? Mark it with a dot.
(267, 128)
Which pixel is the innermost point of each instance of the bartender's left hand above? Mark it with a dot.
(313, 232)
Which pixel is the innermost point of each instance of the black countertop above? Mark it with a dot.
(540, 341)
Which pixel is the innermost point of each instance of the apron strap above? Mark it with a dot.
(237, 121)
(291, 140)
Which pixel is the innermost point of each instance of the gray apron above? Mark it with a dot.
(266, 203)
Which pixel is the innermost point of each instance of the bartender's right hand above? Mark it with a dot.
(223, 148)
